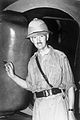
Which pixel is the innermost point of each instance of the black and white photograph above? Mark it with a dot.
(39, 59)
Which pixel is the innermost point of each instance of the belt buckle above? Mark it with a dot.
(49, 92)
(44, 93)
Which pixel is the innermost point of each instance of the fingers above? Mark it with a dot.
(9, 68)
(9, 65)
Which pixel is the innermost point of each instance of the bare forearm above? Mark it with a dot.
(20, 81)
(10, 71)
(71, 97)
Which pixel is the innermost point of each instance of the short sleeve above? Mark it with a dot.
(68, 79)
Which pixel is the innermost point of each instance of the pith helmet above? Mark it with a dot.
(37, 26)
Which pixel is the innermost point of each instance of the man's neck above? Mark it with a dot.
(44, 51)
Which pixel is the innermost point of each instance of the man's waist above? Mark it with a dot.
(46, 93)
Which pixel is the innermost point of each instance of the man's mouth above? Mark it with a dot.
(39, 43)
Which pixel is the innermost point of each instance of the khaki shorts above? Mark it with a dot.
(50, 108)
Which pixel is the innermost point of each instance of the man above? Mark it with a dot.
(49, 77)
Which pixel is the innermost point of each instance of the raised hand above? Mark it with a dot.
(10, 69)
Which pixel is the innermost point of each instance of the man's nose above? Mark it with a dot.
(38, 38)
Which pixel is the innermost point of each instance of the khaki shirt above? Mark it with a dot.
(56, 67)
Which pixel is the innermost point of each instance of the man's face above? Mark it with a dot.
(39, 40)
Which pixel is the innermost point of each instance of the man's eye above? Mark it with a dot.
(34, 37)
(41, 35)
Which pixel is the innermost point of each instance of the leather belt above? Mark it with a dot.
(46, 93)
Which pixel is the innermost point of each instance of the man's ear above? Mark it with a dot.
(47, 36)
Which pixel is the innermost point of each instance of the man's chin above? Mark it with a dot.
(39, 48)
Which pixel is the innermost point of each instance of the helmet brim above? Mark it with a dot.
(38, 33)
